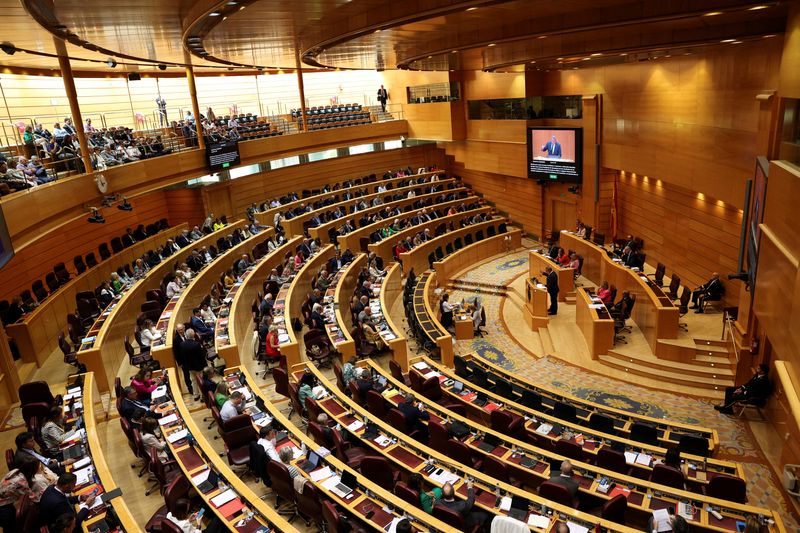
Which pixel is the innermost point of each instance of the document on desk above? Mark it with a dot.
(444, 476)
(537, 520)
(577, 528)
(644, 459)
(245, 392)
(382, 440)
(596, 306)
(222, 499)
(420, 365)
(77, 465)
(322, 473)
(84, 475)
(178, 435)
(331, 482)
(505, 503)
(661, 521)
(201, 477)
(630, 457)
(355, 425)
(163, 421)
(544, 429)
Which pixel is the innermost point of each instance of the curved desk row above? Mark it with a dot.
(385, 247)
(179, 309)
(428, 318)
(408, 206)
(451, 265)
(296, 225)
(267, 217)
(232, 333)
(196, 457)
(337, 301)
(546, 431)
(107, 352)
(352, 240)
(643, 496)
(37, 332)
(391, 290)
(669, 432)
(411, 456)
(654, 313)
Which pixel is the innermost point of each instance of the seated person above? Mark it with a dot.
(182, 517)
(622, 306)
(144, 384)
(563, 477)
(563, 258)
(757, 387)
(604, 293)
(199, 326)
(233, 406)
(711, 290)
(371, 335)
(56, 501)
(426, 499)
(471, 516)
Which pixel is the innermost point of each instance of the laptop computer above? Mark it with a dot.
(489, 443)
(345, 485)
(481, 400)
(281, 436)
(72, 452)
(311, 462)
(458, 387)
(527, 462)
(519, 508)
(209, 484)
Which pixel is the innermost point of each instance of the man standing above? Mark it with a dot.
(162, 110)
(383, 96)
(552, 289)
(553, 148)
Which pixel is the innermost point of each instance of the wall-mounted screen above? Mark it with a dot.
(222, 155)
(555, 154)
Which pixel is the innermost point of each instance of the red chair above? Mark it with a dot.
(35, 392)
(345, 452)
(337, 370)
(281, 378)
(237, 444)
(727, 487)
(376, 404)
(283, 489)
(438, 435)
(397, 420)
(312, 408)
(615, 509)
(612, 460)
(406, 493)
(397, 372)
(462, 453)
(162, 471)
(569, 449)
(379, 470)
(309, 505)
(10, 459)
(452, 518)
(557, 493)
(507, 423)
(431, 389)
(669, 476)
(318, 434)
(494, 467)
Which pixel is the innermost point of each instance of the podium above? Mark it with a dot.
(535, 305)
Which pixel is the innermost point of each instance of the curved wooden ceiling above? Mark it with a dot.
(376, 34)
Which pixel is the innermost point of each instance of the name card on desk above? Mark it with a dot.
(168, 419)
(537, 520)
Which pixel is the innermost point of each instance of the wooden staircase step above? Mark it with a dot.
(718, 360)
(547, 341)
(711, 342)
(700, 370)
(667, 376)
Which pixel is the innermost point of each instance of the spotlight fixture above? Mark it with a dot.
(8, 48)
(162, 66)
(125, 205)
(575, 189)
(96, 217)
(111, 62)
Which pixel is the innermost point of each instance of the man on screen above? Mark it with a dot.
(553, 148)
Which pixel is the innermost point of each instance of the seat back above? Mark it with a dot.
(35, 392)
(494, 467)
(397, 420)
(396, 370)
(674, 284)
(378, 470)
(611, 460)
(432, 389)
(555, 492)
(331, 517)
(615, 509)
(503, 387)
(281, 481)
(646, 433)
(407, 494)
(659, 275)
(564, 411)
(376, 405)
(667, 475)
(460, 365)
(458, 451)
(694, 445)
(281, 379)
(601, 423)
(448, 516)
(570, 449)
(309, 502)
(727, 487)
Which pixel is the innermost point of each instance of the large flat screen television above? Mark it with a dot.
(6, 249)
(555, 154)
(759, 198)
(222, 155)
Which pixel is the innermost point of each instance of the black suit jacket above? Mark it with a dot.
(569, 483)
(193, 355)
(462, 507)
(54, 504)
(128, 240)
(414, 416)
(128, 408)
(713, 289)
(182, 241)
(552, 282)
(757, 387)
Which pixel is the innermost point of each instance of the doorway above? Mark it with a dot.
(563, 215)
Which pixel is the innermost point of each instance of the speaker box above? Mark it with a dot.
(134, 76)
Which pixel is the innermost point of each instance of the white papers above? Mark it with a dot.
(223, 498)
(77, 465)
(393, 525)
(444, 477)
(630, 457)
(178, 435)
(420, 365)
(84, 475)
(283, 337)
(264, 421)
(202, 476)
(388, 335)
(576, 528)
(505, 503)
(540, 286)
(355, 425)
(168, 419)
(297, 452)
(537, 520)
(544, 429)
(382, 440)
(643, 459)
(331, 482)
(661, 520)
(596, 306)
(322, 473)
(245, 392)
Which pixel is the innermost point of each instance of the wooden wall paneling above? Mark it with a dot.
(185, 205)
(429, 121)
(35, 261)
(789, 86)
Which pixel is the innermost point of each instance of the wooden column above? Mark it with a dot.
(300, 87)
(9, 388)
(201, 143)
(72, 98)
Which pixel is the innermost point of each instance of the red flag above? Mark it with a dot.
(614, 220)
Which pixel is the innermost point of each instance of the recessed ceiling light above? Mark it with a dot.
(213, 14)
(454, 52)
(597, 54)
(736, 42)
(586, 59)
(533, 62)
(712, 13)
(224, 18)
(757, 8)
(727, 40)
(542, 37)
(768, 36)
(232, 3)
(623, 54)
(574, 68)
(471, 8)
(559, 59)
(492, 44)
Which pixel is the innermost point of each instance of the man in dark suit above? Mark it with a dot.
(463, 507)
(564, 478)
(26, 446)
(128, 239)
(552, 249)
(177, 340)
(414, 415)
(183, 239)
(552, 289)
(193, 355)
(757, 387)
(383, 96)
(56, 501)
(710, 290)
(199, 326)
(130, 405)
(552, 148)
(629, 257)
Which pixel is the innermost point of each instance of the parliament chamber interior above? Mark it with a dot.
(361, 266)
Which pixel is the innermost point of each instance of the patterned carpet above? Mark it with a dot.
(736, 440)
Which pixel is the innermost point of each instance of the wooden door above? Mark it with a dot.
(563, 215)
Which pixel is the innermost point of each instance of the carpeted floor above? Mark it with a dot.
(736, 440)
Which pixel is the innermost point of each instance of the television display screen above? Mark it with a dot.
(759, 197)
(222, 155)
(6, 249)
(555, 154)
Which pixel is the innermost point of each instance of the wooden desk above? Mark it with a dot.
(295, 226)
(596, 325)
(654, 313)
(194, 460)
(391, 290)
(669, 431)
(268, 217)
(536, 305)
(412, 456)
(107, 352)
(464, 330)
(566, 276)
(322, 230)
(233, 334)
(385, 247)
(342, 293)
(469, 256)
(352, 240)
(197, 290)
(93, 411)
(37, 332)
(428, 318)
(418, 257)
(297, 292)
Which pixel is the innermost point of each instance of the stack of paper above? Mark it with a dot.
(201, 477)
(661, 521)
(320, 474)
(178, 435)
(537, 520)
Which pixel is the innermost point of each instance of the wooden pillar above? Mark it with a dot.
(72, 98)
(201, 143)
(300, 87)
